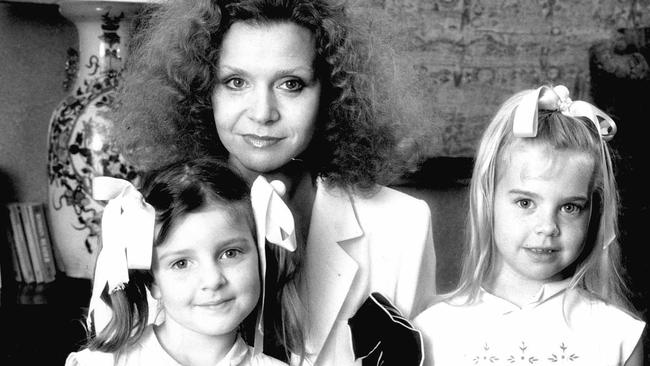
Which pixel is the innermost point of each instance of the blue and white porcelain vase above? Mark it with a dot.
(78, 148)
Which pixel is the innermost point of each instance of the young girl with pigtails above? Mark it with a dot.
(190, 240)
(542, 279)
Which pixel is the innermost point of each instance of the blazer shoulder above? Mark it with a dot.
(389, 209)
(390, 198)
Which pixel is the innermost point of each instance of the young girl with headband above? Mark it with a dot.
(541, 282)
(190, 240)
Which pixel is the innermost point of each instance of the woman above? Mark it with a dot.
(283, 89)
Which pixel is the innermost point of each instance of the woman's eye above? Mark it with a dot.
(180, 264)
(292, 85)
(235, 83)
(525, 203)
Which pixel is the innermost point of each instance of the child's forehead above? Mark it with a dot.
(235, 211)
(541, 159)
(207, 229)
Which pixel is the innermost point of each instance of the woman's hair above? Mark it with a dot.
(174, 191)
(163, 109)
(597, 270)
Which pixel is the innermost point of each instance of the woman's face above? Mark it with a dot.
(267, 96)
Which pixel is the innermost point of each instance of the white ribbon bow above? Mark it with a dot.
(553, 99)
(557, 98)
(127, 242)
(274, 223)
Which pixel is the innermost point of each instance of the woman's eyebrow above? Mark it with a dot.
(278, 73)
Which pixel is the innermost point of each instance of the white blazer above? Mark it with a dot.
(359, 245)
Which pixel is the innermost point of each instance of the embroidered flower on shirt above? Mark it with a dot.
(523, 358)
(563, 357)
(486, 357)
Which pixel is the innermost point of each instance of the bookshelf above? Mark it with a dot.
(39, 321)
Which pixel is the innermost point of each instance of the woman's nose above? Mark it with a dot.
(263, 106)
(547, 225)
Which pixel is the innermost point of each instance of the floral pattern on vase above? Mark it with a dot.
(78, 146)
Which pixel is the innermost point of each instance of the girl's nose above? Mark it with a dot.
(213, 277)
(547, 225)
(263, 106)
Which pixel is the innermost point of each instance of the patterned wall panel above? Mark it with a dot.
(467, 56)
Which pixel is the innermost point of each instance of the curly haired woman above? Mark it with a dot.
(286, 89)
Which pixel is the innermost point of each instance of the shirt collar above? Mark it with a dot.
(239, 354)
(546, 292)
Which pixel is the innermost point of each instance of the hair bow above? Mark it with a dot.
(127, 242)
(553, 99)
(274, 223)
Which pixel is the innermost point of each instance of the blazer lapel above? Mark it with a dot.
(329, 270)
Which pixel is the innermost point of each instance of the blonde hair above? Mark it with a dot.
(597, 270)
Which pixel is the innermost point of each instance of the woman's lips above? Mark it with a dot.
(261, 141)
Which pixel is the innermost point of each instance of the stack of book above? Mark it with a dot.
(33, 254)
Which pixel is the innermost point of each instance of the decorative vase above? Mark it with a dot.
(78, 146)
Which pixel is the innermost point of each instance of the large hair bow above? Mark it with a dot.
(127, 242)
(275, 224)
(557, 99)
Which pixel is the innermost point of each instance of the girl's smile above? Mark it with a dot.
(542, 254)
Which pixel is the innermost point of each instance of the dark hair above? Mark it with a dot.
(164, 111)
(174, 191)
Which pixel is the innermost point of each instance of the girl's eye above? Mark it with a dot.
(292, 85)
(524, 203)
(571, 208)
(230, 254)
(235, 83)
(180, 264)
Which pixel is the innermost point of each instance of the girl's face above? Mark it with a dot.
(542, 205)
(206, 272)
(267, 97)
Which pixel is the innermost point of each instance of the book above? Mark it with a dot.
(32, 242)
(58, 257)
(14, 255)
(20, 242)
(43, 237)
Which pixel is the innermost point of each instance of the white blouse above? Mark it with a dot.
(553, 329)
(148, 351)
